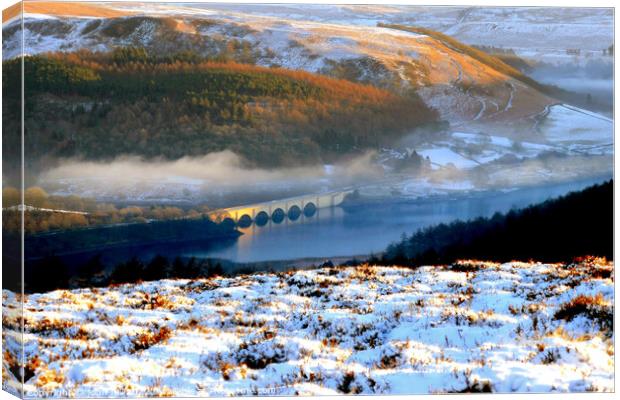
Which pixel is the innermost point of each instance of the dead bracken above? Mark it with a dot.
(595, 308)
(371, 330)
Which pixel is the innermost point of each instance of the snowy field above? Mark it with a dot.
(473, 326)
(578, 130)
(562, 129)
(519, 28)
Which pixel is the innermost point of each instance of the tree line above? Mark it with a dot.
(574, 225)
(98, 105)
(52, 273)
(83, 212)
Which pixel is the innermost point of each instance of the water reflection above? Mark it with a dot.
(333, 232)
(289, 232)
(112, 256)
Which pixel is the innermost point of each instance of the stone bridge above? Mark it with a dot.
(277, 210)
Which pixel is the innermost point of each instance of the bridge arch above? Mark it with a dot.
(278, 215)
(261, 218)
(228, 222)
(294, 212)
(244, 221)
(310, 209)
(278, 210)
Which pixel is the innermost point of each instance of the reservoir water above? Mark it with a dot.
(349, 231)
(369, 228)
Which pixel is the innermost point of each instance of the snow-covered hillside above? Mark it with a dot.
(562, 129)
(472, 326)
(519, 28)
(495, 120)
(343, 39)
(343, 48)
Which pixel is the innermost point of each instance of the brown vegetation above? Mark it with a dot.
(269, 116)
(68, 212)
(593, 307)
(491, 61)
(149, 339)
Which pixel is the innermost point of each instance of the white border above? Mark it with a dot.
(549, 3)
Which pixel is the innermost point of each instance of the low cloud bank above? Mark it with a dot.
(221, 171)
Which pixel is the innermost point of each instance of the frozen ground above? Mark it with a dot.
(342, 46)
(477, 326)
(578, 130)
(520, 28)
(570, 144)
(564, 129)
(588, 30)
(316, 38)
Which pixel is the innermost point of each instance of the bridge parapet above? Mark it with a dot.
(284, 207)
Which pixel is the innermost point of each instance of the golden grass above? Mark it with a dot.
(50, 377)
(148, 339)
(581, 304)
(11, 11)
(62, 9)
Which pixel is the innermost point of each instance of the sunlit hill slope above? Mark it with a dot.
(462, 87)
